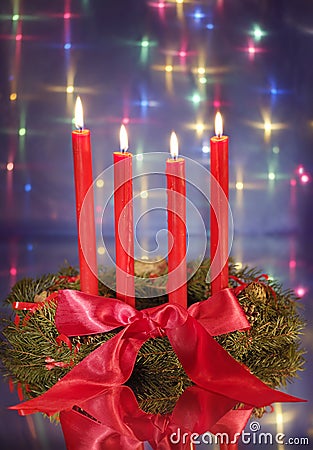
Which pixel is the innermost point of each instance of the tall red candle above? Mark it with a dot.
(85, 218)
(219, 217)
(177, 232)
(124, 227)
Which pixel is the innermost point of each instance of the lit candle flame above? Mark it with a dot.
(218, 124)
(174, 145)
(123, 139)
(79, 116)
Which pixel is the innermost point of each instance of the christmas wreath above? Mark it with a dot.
(35, 355)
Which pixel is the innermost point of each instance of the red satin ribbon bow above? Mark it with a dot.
(190, 332)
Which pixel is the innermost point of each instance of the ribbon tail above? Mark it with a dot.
(197, 409)
(209, 366)
(119, 423)
(232, 424)
(109, 365)
(118, 409)
(81, 433)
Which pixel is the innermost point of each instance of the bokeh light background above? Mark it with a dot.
(157, 66)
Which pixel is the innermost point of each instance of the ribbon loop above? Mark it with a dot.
(211, 313)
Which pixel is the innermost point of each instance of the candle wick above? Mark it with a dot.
(80, 129)
(123, 150)
(174, 157)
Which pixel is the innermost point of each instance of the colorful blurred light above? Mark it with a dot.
(198, 14)
(27, 187)
(304, 178)
(301, 291)
(216, 104)
(268, 126)
(293, 182)
(251, 50)
(19, 37)
(258, 33)
(200, 127)
(239, 185)
(168, 68)
(70, 89)
(22, 131)
(210, 26)
(13, 96)
(145, 43)
(160, 5)
(101, 250)
(203, 80)
(205, 148)
(10, 167)
(100, 183)
(271, 176)
(276, 150)
(300, 170)
(144, 194)
(15, 17)
(196, 98)
(67, 46)
(13, 271)
(292, 264)
(67, 15)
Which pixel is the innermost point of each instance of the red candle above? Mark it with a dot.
(219, 216)
(177, 232)
(123, 216)
(85, 216)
